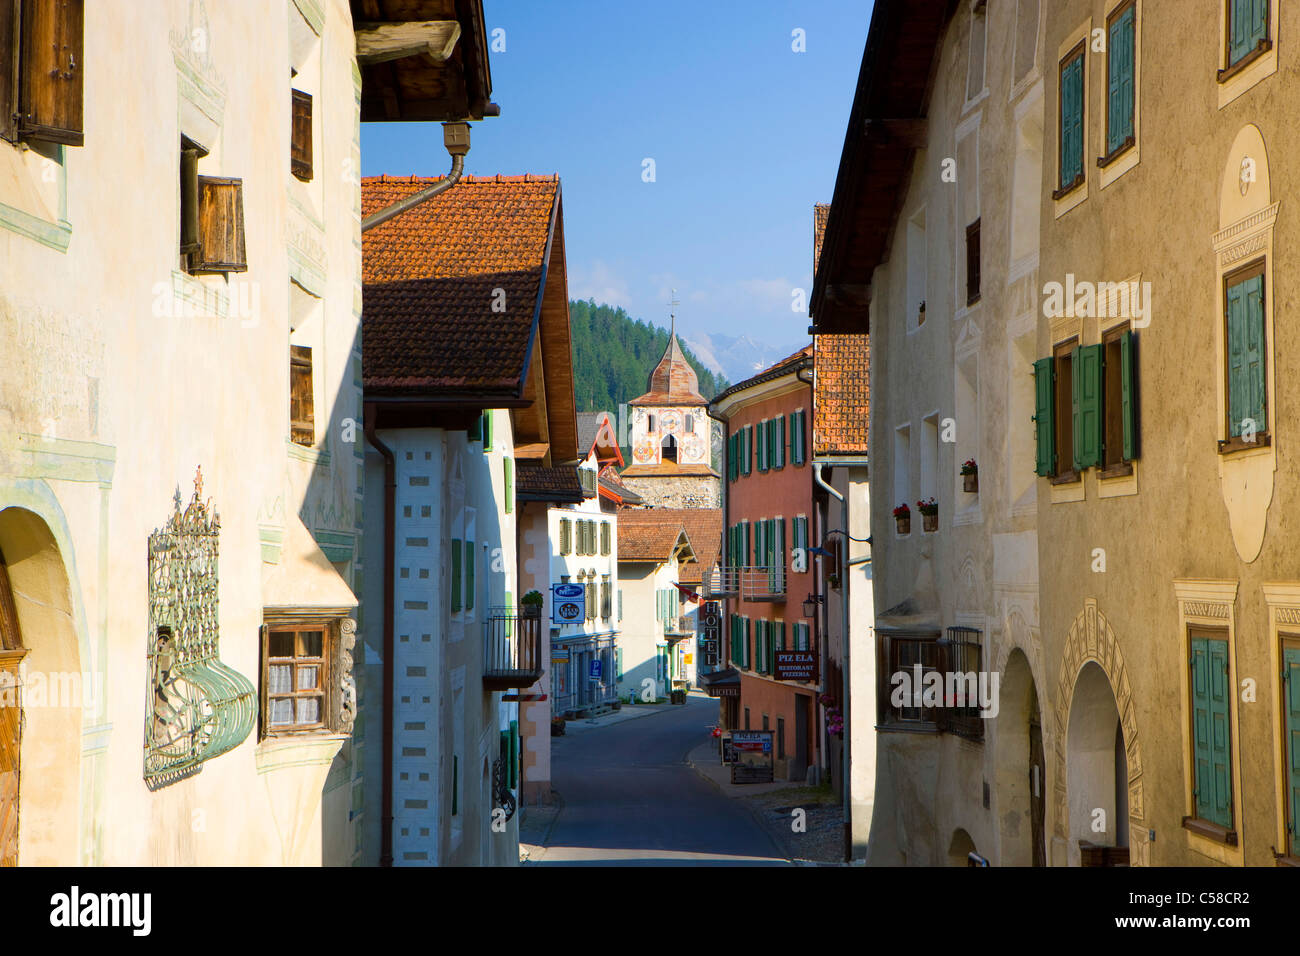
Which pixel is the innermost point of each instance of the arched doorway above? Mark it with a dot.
(1097, 770)
(1020, 767)
(960, 849)
(44, 765)
(12, 653)
(669, 449)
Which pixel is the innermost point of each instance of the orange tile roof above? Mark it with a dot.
(841, 397)
(672, 381)
(666, 468)
(648, 534)
(432, 275)
(704, 529)
(821, 212)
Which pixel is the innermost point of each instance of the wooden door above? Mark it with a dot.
(1037, 788)
(11, 722)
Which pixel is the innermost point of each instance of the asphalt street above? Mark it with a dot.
(630, 799)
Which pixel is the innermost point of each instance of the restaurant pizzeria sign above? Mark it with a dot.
(795, 665)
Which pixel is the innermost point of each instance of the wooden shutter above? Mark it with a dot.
(1128, 401)
(302, 407)
(50, 71)
(749, 634)
(508, 468)
(1086, 382)
(455, 574)
(747, 455)
(469, 575)
(762, 446)
(10, 43)
(1071, 158)
(189, 199)
(455, 784)
(778, 557)
(1044, 417)
(1245, 320)
(1119, 98)
(1248, 26)
(220, 226)
(565, 535)
(745, 548)
(487, 429)
(604, 538)
(300, 139)
(1211, 738)
(780, 441)
(514, 754)
(1291, 719)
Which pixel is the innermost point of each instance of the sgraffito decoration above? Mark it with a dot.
(198, 708)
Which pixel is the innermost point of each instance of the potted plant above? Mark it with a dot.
(532, 604)
(970, 475)
(929, 509)
(903, 517)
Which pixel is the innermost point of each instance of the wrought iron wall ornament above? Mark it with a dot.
(198, 708)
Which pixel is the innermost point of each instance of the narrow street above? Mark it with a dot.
(629, 798)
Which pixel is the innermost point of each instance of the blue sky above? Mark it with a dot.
(745, 134)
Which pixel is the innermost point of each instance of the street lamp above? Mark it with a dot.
(810, 604)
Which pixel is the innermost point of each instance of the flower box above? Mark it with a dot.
(970, 483)
(929, 522)
(904, 524)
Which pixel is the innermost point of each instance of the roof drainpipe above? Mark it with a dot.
(844, 672)
(455, 136)
(390, 538)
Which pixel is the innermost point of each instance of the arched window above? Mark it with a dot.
(670, 449)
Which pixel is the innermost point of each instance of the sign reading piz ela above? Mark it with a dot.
(753, 756)
(795, 665)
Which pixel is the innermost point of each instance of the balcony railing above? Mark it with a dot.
(757, 582)
(678, 627)
(512, 649)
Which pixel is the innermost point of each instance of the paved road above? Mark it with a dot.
(631, 800)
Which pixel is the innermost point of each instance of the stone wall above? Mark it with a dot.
(681, 491)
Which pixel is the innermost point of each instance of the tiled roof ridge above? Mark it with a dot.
(498, 178)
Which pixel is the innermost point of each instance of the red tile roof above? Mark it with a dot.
(648, 534)
(432, 276)
(821, 212)
(557, 483)
(666, 468)
(704, 529)
(842, 394)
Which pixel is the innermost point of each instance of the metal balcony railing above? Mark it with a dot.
(512, 649)
(678, 627)
(759, 582)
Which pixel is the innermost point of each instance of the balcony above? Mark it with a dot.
(678, 627)
(512, 649)
(750, 582)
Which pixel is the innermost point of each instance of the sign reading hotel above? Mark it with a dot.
(795, 665)
(569, 604)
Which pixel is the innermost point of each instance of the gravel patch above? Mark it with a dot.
(822, 840)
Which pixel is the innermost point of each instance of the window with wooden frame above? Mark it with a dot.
(1054, 413)
(41, 71)
(1247, 37)
(300, 137)
(302, 406)
(973, 263)
(1070, 128)
(212, 217)
(295, 678)
(1119, 402)
(1211, 735)
(1121, 66)
(1291, 741)
(1246, 350)
(903, 653)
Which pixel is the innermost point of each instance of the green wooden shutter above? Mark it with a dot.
(1211, 723)
(1086, 380)
(618, 658)
(510, 614)
(749, 636)
(1291, 715)
(747, 454)
(1246, 355)
(745, 549)
(1071, 121)
(762, 446)
(1128, 402)
(605, 538)
(566, 535)
(475, 432)
(778, 427)
(455, 574)
(487, 429)
(1248, 25)
(1044, 412)
(508, 466)
(778, 557)
(469, 575)
(514, 754)
(1119, 111)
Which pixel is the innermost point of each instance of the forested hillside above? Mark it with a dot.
(613, 355)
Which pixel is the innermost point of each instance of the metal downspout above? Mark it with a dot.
(390, 539)
(455, 136)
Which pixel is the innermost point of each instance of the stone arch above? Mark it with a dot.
(1093, 640)
(960, 848)
(57, 688)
